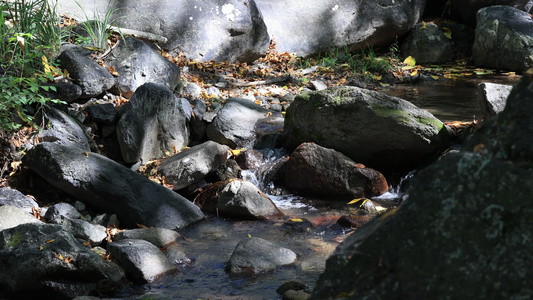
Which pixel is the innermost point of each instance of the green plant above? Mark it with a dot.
(97, 29)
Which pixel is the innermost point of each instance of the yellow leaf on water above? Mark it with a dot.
(296, 220)
(356, 200)
(410, 61)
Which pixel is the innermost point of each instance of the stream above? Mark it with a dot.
(210, 243)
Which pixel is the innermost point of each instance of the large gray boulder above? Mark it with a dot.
(504, 39)
(153, 124)
(94, 233)
(15, 198)
(110, 187)
(193, 164)
(459, 228)
(492, 98)
(12, 216)
(137, 63)
(46, 261)
(61, 128)
(256, 255)
(321, 172)
(427, 44)
(308, 27)
(371, 128)
(234, 124)
(160, 237)
(87, 73)
(468, 9)
(228, 30)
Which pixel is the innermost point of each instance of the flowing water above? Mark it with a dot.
(210, 243)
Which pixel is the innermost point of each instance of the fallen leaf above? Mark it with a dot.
(68, 259)
(423, 25)
(414, 73)
(447, 33)
(410, 61)
(356, 200)
(50, 241)
(141, 226)
(296, 220)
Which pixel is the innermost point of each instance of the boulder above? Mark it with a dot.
(160, 237)
(492, 98)
(137, 63)
(62, 210)
(154, 124)
(467, 9)
(108, 186)
(82, 229)
(504, 39)
(15, 198)
(142, 261)
(459, 228)
(193, 164)
(105, 114)
(256, 255)
(46, 261)
(321, 172)
(220, 30)
(64, 91)
(427, 44)
(62, 129)
(87, 73)
(234, 124)
(369, 127)
(308, 27)
(11, 216)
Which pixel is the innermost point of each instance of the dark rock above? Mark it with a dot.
(256, 255)
(62, 210)
(137, 63)
(250, 159)
(427, 44)
(467, 9)
(153, 125)
(369, 127)
(142, 261)
(354, 221)
(295, 295)
(11, 216)
(82, 229)
(463, 39)
(219, 30)
(88, 74)
(292, 285)
(504, 39)
(492, 98)
(454, 233)
(33, 259)
(235, 122)
(108, 186)
(297, 225)
(193, 164)
(15, 198)
(308, 27)
(160, 237)
(62, 129)
(105, 113)
(321, 172)
(229, 170)
(67, 92)
(198, 124)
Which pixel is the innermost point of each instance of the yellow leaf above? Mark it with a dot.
(377, 77)
(86, 154)
(50, 241)
(249, 235)
(68, 259)
(20, 115)
(363, 202)
(410, 61)
(414, 73)
(356, 200)
(41, 247)
(447, 33)
(141, 226)
(405, 68)
(384, 84)
(235, 152)
(45, 64)
(296, 220)
(434, 77)
(423, 25)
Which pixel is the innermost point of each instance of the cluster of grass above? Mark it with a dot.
(365, 63)
(30, 36)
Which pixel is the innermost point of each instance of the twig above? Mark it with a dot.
(140, 34)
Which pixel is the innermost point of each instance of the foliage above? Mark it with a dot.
(31, 36)
(98, 30)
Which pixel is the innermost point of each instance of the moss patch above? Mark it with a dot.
(15, 239)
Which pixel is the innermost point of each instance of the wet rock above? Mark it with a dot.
(389, 133)
(193, 90)
(62, 129)
(108, 186)
(229, 170)
(153, 125)
(354, 221)
(235, 122)
(467, 9)
(64, 91)
(34, 257)
(492, 98)
(292, 285)
(175, 255)
(193, 164)
(142, 261)
(295, 295)
(15, 198)
(256, 255)
(427, 44)
(88, 74)
(468, 230)
(250, 159)
(82, 229)
(298, 225)
(321, 172)
(11, 216)
(62, 210)
(503, 23)
(310, 27)
(137, 63)
(223, 31)
(160, 237)
(105, 113)
(243, 199)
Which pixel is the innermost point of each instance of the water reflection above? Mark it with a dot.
(448, 100)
